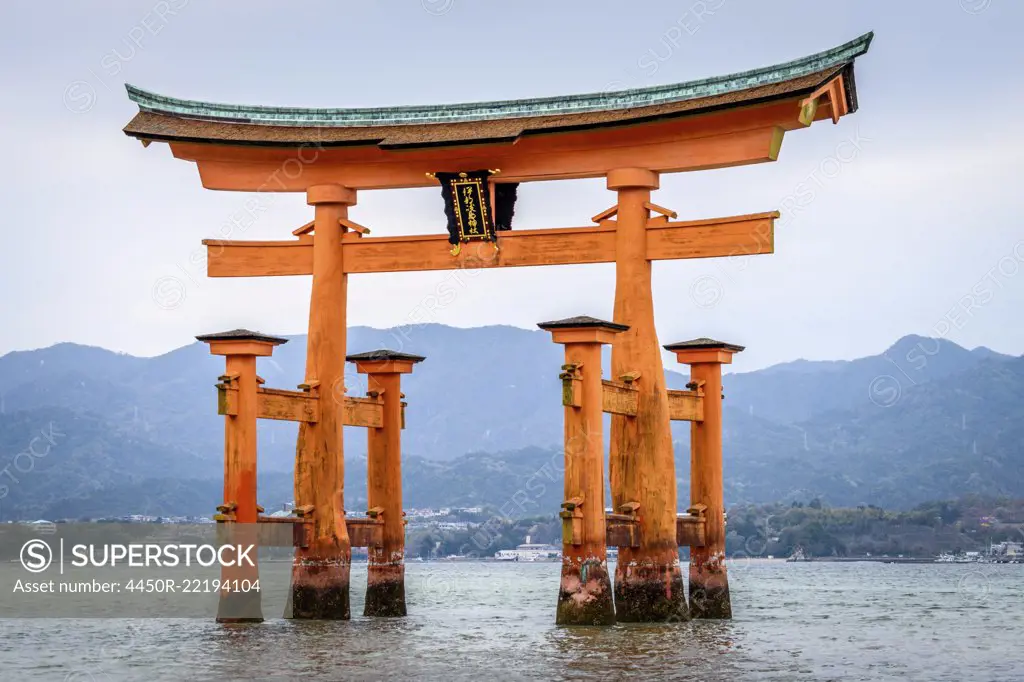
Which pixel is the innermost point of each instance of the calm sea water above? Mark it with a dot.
(804, 621)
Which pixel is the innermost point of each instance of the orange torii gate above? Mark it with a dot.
(630, 138)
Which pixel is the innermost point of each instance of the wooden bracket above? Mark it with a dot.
(629, 377)
(375, 512)
(572, 521)
(305, 229)
(606, 214)
(665, 214)
(305, 511)
(572, 385)
(572, 503)
(310, 387)
(260, 380)
(354, 226)
(226, 512)
(835, 90)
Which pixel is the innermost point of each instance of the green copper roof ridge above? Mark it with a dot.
(502, 109)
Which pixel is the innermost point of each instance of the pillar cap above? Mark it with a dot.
(626, 178)
(703, 350)
(582, 321)
(384, 354)
(241, 335)
(704, 343)
(582, 329)
(241, 342)
(330, 194)
(384, 361)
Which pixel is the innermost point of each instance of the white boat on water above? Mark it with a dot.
(530, 552)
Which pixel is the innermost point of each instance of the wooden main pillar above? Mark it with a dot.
(240, 511)
(320, 572)
(709, 582)
(385, 580)
(648, 581)
(585, 594)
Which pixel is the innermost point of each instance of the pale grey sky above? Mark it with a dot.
(905, 218)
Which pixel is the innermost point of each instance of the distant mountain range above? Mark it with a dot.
(88, 432)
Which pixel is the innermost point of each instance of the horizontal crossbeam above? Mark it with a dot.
(293, 531)
(619, 398)
(300, 406)
(365, 532)
(686, 406)
(690, 531)
(716, 237)
(366, 412)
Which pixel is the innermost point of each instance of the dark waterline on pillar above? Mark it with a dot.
(320, 592)
(650, 594)
(585, 595)
(709, 595)
(385, 599)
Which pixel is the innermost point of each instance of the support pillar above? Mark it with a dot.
(240, 348)
(385, 580)
(585, 594)
(320, 572)
(709, 582)
(648, 581)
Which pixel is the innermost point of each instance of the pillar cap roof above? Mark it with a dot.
(582, 321)
(241, 335)
(703, 343)
(384, 355)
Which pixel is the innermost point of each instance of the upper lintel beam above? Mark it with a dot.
(544, 157)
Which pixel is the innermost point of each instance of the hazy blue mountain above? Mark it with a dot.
(795, 391)
(926, 419)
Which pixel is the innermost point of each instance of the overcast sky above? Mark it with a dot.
(916, 229)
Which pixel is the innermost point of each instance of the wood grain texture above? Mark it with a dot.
(667, 148)
(320, 572)
(685, 406)
(716, 237)
(648, 582)
(365, 412)
(619, 398)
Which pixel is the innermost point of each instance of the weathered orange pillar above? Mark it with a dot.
(709, 582)
(320, 572)
(385, 580)
(238, 391)
(648, 581)
(585, 594)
